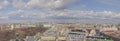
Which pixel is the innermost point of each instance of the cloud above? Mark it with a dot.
(44, 4)
(66, 13)
(61, 15)
(19, 4)
(1, 7)
(3, 17)
(3, 4)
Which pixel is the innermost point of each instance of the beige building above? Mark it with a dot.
(92, 32)
(52, 38)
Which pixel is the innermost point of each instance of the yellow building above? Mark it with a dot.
(50, 38)
(62, 38)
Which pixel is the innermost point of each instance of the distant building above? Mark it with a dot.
(24, 25)
(98, 38)
(47, 25)
(77, 35)
(108, 29)
(62, 38)
(52, 38)
(92, 32)
(47, 38)
(30, 38)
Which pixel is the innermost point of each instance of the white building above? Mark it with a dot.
(109, 29)
(77, 36)
(47, 25)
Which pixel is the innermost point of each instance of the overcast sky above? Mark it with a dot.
(60, 10)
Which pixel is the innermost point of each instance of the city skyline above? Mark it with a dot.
(60, 10)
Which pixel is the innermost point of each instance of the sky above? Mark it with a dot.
(93, 11)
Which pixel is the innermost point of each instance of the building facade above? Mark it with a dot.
(77, 36)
